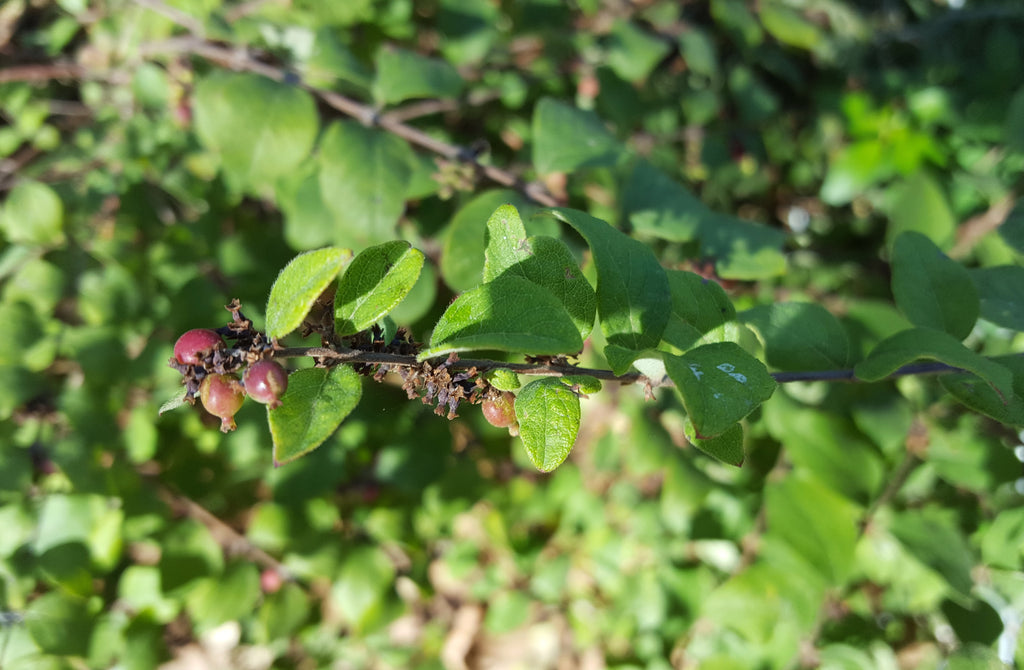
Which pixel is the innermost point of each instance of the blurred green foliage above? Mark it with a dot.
(780, 145)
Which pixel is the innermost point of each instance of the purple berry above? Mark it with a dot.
(190, 347)
(501, 411)
(222, 396)
(265, 382)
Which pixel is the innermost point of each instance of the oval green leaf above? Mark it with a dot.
(931, 289)
(1001, 290)
(727, 447)
(701, 312)
(973, 392)
(298, 286)
(256, 147)
(315, 404)
(566, 138)
(545, 261)
(462, 258)
(510, 314)
(907, 346)
(364, 176)
(799, 336)
(373, 284)
(720, 384)
(633, 295)
(548, 413)
(403, 75)
(33, 214)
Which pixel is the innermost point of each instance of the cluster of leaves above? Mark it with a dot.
(159, 158)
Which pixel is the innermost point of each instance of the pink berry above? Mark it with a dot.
(191, 346)
(500, 412)
(265, 382)
(222, 396)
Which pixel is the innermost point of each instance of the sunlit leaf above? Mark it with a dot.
(509, 314)
(548, 413)
(315, 404)
(930, 288)
(373, 284)
(298, 286)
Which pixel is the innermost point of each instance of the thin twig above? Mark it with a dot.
(554, 370)
(239, 59)
(231, 540)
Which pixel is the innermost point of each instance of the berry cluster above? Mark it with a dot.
(210, 368)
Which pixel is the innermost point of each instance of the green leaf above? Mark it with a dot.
(462, 258)
(727, 447)
(632, 52)
(362, 586)
(32, 214)
(742, 250)
(503, 379)
(910, 345)
(1001, 290)
(509, 314)
(973, 392)
(364, 175)
(373, 284)
(633, 295)
(1012, 230)
(566, 138)
(935, 541)
(701, 312)
(257, 144)
(298, 286)
(720, 384)
(60, 625)
(799, 336)
(658, 206)
(548, 413)
(1002, 543)
(930, 288)
(545, 261)
(817, 523)
(226, 597)
(920, 205)
(402, 75)
(315, 404)
(789, 26)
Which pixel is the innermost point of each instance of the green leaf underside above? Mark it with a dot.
(315, 404)
(256, 146)
(509, 314)
(701, 312)
(931, 289)
(1001, 290)
(720, 384)
(727, 447)
(566, 138)
(548, 413)
(633, 295)
(910, 345)
(799, 336)
(976, 394)
(545, 261)
(373, 284)
(298, 286)
(363, 180)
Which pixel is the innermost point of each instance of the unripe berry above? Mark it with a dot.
(222, 396)
(500, 412)
(265, 382)
(191, 346)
